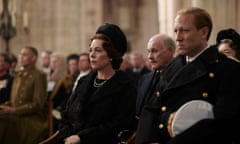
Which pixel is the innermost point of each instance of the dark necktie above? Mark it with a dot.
(162, 82)
(149, 92)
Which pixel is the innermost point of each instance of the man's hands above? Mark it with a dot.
(7, 110)
(74, 139)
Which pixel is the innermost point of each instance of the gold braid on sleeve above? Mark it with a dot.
(169, 124)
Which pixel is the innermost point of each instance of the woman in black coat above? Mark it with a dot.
(103, 103)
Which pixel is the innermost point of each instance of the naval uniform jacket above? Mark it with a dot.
(100, 116)
(211, 77)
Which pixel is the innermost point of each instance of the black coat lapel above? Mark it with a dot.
(79, 96)
(187, 73)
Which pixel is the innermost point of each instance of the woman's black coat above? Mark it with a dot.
(100, 116)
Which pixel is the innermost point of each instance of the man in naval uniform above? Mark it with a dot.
(199, 73)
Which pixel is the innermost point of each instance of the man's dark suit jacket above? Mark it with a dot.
(143, 90)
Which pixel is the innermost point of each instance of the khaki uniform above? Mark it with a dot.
(29, 125)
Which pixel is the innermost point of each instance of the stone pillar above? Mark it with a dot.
(91, 18)
(224, 13)
(146, 15)
(67, 28)
(238, 15)
(2, 45)
(167, 10)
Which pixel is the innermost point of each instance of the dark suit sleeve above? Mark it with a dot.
(141, 90)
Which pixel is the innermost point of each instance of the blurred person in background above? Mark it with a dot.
(138, 67)
(14, 63)
(58, 67)
(125, 63)
(84, 67)
(45, 61)
(23, 118)
(228, 42)
(5, 78)
(63, 88)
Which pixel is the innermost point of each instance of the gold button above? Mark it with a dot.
(216, 60)
(164, 108)
(211, 75)
(161, 126)
(205, 94)
(157, 93)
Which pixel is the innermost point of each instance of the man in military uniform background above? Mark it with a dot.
(23, 118)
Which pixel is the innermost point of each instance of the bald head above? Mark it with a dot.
(161, 50)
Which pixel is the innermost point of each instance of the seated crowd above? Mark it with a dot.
(89, 97)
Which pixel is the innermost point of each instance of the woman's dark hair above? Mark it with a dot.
(232, 37)
(233, 46)
(6, 58)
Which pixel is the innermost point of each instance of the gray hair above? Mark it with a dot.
(169, 42)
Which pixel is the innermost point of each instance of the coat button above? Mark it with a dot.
(164, 108)
(161, 126)
(217, 61)
(157, 93)
(205, 95)
(211, 75)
